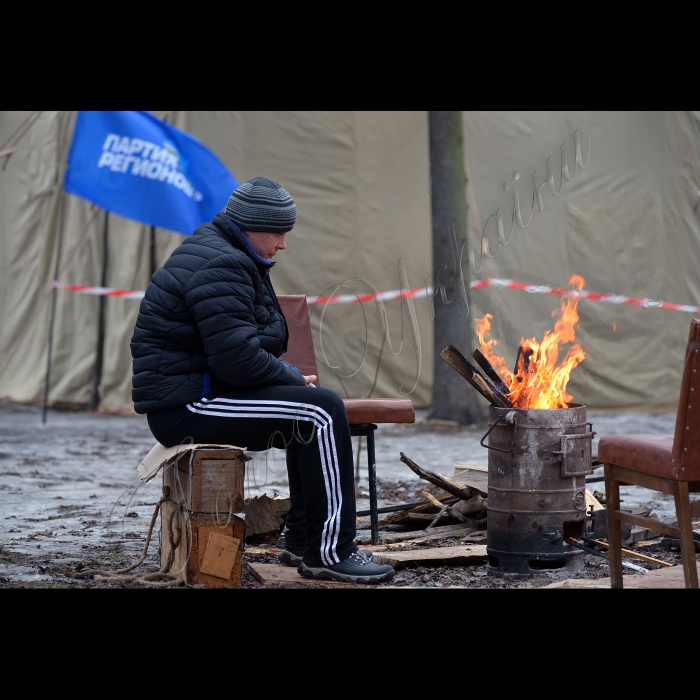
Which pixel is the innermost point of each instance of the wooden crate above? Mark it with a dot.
(208, 481)
(206, 488)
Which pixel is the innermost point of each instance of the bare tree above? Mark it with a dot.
(453, 399)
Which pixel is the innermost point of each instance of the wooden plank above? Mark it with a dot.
(471, 476)
(670, 577)
(462, 555)
(471, 537)
(649, 523)
(592, 501)
(405, 518)
(279, 575)
(434, 533)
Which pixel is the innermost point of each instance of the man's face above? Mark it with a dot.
(266, 244)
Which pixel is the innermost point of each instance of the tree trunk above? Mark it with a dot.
(452, 321)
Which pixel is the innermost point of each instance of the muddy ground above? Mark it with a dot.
(71, 499)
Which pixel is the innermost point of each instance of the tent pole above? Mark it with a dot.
(99, 354)
(53, 307)
(154, 263)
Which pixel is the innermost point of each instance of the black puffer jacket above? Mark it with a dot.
(209, 317)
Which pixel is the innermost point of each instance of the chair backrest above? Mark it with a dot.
(686, 442)
(300, 348)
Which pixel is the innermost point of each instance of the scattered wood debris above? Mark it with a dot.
(437, 533)
(437, 480)
(467, 506)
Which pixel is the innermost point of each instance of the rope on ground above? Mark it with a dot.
(163, 578)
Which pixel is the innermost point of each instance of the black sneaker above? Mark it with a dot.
(355, 569)
(289, 558)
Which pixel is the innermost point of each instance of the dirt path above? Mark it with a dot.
(71, 499)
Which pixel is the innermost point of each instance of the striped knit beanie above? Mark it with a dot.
(262, 205)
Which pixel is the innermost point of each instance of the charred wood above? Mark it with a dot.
(522, 364)
(482, 384)
(490, 371)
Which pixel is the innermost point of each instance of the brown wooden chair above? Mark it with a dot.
(363, 414)
(666, 463)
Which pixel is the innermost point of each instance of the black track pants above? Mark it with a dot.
(311, 423)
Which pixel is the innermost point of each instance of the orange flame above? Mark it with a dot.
(537, 381)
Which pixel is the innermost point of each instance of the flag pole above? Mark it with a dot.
(154, 263)
(53, 306)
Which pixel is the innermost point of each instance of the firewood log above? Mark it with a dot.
(490, 371)
(482, 384)
(474, 505)
(265, 516)
(436, 479)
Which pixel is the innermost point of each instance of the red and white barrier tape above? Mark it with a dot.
(99, 291)
(426, 291)
(560, 291)
(381, 296)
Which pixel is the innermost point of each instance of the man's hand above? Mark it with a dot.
(310, 379)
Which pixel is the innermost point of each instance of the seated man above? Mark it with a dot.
(206, 359)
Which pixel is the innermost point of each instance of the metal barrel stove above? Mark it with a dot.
(537, 466)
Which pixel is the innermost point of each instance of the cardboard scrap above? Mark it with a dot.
(219, 556)
(160, 456)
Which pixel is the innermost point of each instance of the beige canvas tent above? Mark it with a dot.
(627, 222)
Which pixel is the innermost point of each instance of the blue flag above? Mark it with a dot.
(140, 167)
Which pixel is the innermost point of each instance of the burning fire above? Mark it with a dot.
(537, 381)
